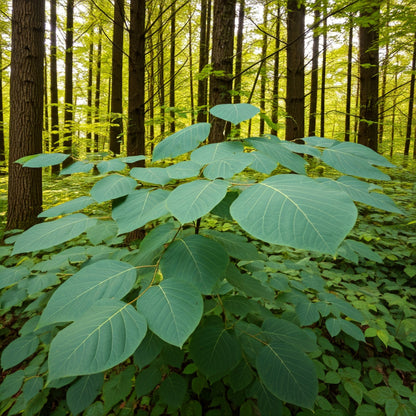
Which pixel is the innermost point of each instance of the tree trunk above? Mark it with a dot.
(172, 66)
(222, 60)
(263, 71)
(411, 102)
(239, 53)
(276, 74)
(69, 107)
(95, 147)
(349, 81)
(295, 97)
(116, 128)
(369, 69)
(191, 69)
(323, 83)
(26, 112)
(161, 77)
(314, 73)
(90, 145)
(136, 126)
(2, 147)
(47, 147)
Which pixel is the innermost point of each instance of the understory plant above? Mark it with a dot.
(204, 315)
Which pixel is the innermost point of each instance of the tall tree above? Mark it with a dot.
(222, 64)
(349, 80)
(411, 102)
(295, 95)
(26, 115)
(97, 100)
(54, 86)
(2, 147)
(369, 70)
(172, 66)
(161, 74)
(263, 70)
(276, 73)
(89, 92)
(239, 53)
(323, 75)
(116, 128)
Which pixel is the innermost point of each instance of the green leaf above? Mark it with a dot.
(77, 167)
(11, 275)
(302, 148)
(214, 349)
(52, 233)
(115, 165)
(288, 373)
(139, 208)
(158, 176)
(40, 282)
(182, 141)
(352, 330)
(333, 325)
(44, 159)
(105, 336)
(197, 260)
(11, 384)
(118, 387)
(273, 148)
(18, 350)
(32, 387)
(355, 159)
(82, 393)
(192, 200)
(172, 390)
(104, 279)
(67, 207)
(173, 310)
(235, 113)
(363, 250)
(148, 350)
(241, 376)
(216, 151)
(320, 141)
(103, 231)
(112, 187)
(132, 159)
(295, 211)
(263, 163)
(147, 380)
(183, 170)
(308, 313)
(343, 306)
(223, 208)
(227, 168)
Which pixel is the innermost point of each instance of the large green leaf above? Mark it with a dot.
(139, 208)
(227, 168)
(115, 165)
(301, 148)
(18, 350)
(195, 259)
(182, 141)
(276, 150)
(103, 279)
(158, 176)
(192, 200)
(320, 141)
(296, 211)
(288, 373)
(263, 163)
(11, 384)
(11, 275)
(173, 310)
(105, 336)
(355, 159)
(52, 233)
(235, 113)
(44, 159)
(172, 390)
(216, 151)
(112, 187)
(214, 349)
(67, 207)
(77, 167)
(183, 170)
(132, 159)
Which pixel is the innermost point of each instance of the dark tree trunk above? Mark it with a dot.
(222, 60)
(95, 147)
(116, 128)
(136, 126)
(47, 147)
(172, 66)
(369, 68)
(54, 87)
(26, 112)
(411, 102)
(161, 77)
(263, 71)
(239, 53)
(69, 107)
(349, 81)
(323, 83)
(295, 97)
(191, 69)
(2, 147)
(314, 74)
(89, 95)
(276, 74)
(151, 88)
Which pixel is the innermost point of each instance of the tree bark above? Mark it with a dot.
(239, 53)
(314, 74)
(349, 81)
(369, 69)
(116, 128)
(89, 94)
(411, 102)
(2, 147)
(95, 147)
(26, 112)
(295, 97)
(323, 82)
(172, 66)
(161, 77)
(222, 60)
(276, 74)
(263, 70)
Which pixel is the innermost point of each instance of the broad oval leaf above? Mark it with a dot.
(197, 260)
(11, 275)
(11, 384)
(67, 207)
(112, 187)
(103, 279)
(192, 200)
(216, 151)
(182, 141)
(288, 373)
(296, 211)
(18, 350)
(263, 163)
(105, 336)
(139, 208)
(235, 113)
(173, 310)
(132, 159)
(214, 349)
(183, 170)
(228, 167)
(320, 141)
(77, 167)
(115, 165)
(52, 233)
(158, 176)
(44, 159)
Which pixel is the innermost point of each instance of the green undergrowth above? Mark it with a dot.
(264, 328)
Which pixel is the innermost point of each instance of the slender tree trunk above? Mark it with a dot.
(369, 69)
(25, 137)
(263, 74)
(95, 147)
(393, 117)
(222, 60)
(47, 147)
(151, 85)
(295, 97)
(411, 103)
(349, 81)
(239, 53)
(161, 78)
(54, 86)
(203, 61)
(116, 128)
(172, 66)
(276, 74)
(191, 69)
(323, 82)
(2, 147)
(90, 145)
(69, 107)
(314, 73)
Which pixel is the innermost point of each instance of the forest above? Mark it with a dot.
(207, 207)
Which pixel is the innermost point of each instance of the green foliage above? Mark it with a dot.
(243, 296)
